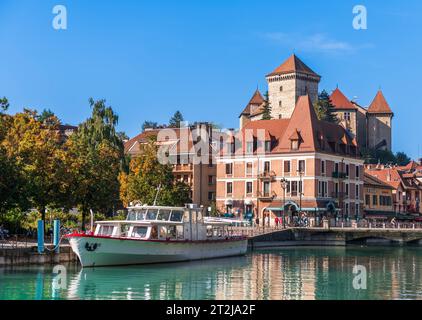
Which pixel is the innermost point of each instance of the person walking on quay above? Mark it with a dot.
(276, 222)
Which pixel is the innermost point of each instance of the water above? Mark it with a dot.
(292, 273)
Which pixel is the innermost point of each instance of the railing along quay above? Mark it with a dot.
(257, 231)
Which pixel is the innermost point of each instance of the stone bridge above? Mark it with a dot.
(336, 236)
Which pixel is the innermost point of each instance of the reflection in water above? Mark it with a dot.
(292, 273)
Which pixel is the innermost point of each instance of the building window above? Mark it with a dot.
(281, 88)
(266, 188)
(336, 189)
(323, 167)
(347, 189)
(267, 146)
(249, 147)
(211, 196)
(295, 145)
(347, 116)
(375, 200)
(357, 192)
(249, 168)
(368, 200)
(301, 166)
(294, 190)
(249, 189)
(347, 170)
(229, 168)
(346, 209)
(280, 104)
(336, 167)
(357, 173)
(267, 166)
(323, 189)
(287, 167)
(357, 210)
(229, 188)
(210, 180)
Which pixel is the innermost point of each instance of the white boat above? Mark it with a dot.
(154, 234)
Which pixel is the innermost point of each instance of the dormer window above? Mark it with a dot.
(295, 140)
(268, 146)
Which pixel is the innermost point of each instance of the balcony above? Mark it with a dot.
(183, 167)
(339, 175)
(339, 195)
(266, 196)
(267, 176)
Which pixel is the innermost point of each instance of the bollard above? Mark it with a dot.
(40, 231)
(56, 236)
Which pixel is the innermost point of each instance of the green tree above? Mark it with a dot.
(325, 109)
(266, 115)
(146, 175)
(4, 104)
(149, 125)
(48, 117)
(34, 147)
(94, 158)
(176, 120)
(402, 159)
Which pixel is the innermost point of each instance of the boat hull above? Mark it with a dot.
(94, 251)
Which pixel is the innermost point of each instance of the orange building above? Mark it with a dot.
(183, 146)
(271, 167)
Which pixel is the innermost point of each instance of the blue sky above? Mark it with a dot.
(205, 58)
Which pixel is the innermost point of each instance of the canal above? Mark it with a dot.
(314, 273)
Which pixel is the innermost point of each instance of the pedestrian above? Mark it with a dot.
(276, 222)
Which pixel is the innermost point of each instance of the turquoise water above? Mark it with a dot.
(293, 273)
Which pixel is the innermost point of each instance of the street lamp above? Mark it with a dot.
(284, 184)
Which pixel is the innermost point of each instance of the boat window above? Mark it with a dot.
(124, 230)
(154, 232)
(171, 232)
(199, 217)
(163, 232)
(151, 214)
(139, 232)
(106, 230)
(136, 214)
(176, 216)
(163, 215)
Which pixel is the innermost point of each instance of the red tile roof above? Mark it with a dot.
(291, 65)
(340, 101)
(314, 135)
(379, 104)
(253, 106)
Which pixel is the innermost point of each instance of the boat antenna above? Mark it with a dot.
(156, 195)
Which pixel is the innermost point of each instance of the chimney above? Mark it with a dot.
(389, 175)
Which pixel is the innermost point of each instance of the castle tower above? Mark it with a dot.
(253, 110)
(380, 119)
(287, 83)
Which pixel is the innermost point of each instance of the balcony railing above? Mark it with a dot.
(183, 167)
(267, 175)
(339, 175)
(266, 196)
(340, 195)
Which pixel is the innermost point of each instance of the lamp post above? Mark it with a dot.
(283, 184)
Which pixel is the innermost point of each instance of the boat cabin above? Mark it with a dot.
(164, 223)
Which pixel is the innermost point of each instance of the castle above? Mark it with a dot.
(371, 127)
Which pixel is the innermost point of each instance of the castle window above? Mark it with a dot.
(347, 116)
(281, 88)
(280, 104)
